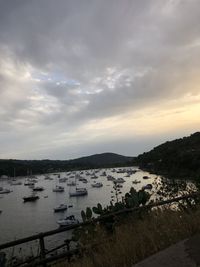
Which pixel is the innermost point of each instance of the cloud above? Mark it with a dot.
(66, 65)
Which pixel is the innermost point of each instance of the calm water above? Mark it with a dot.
(19, 219)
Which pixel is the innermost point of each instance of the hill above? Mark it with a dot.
(104, 159)
(179, 158)
(22, 167)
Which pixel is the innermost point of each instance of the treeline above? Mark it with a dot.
(24, 167)
(178, 159)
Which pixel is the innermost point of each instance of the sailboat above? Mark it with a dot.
(14, 180)
(58, 188)
(78, 192)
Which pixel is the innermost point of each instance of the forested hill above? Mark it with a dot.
(22, 167)
(179, 158)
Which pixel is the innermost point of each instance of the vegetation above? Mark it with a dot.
(138, 238)
(126, 238)
(176, 159)
(24, 167)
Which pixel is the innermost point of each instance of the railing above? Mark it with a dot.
(43, 260)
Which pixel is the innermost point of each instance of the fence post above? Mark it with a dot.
(42, 250)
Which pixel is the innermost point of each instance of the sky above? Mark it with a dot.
(85, 77)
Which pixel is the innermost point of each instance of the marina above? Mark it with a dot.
(26, 212)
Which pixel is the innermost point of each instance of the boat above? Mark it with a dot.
(146, 177)
(31, 198)
(110, 178)
(15, 182)
(131, 171)
(136, 182)
(70, 220)
(61, 207)
(58, 188)
(71, 183)
(30, 182)
(38, 188)
(48, 177)
(94, 177)
(63, 179)
(78, 192)
(97, 185)
(148, 186)
(4, 190)
(120, 180)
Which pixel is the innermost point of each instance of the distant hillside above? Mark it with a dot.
(178, 158)
(22, 167)
(104, 159)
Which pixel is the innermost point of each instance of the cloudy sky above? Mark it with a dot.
(83, 77)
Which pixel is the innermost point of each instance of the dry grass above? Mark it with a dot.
(138, 239)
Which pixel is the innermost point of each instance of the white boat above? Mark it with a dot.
(120, 180)
(78, 192)
(94, 176)
(30, 181)
(63, 179)
(148, 187)
(70, 220)
(61, 207)
(4, 190)
(110, 178)
(58, 188)
(97, 185)
(48, 177)
(15, 182)
(136, 182)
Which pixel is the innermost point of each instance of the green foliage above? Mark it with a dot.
(24, 167)
(132, 199)
(176, 159)
(88, 213)
(83, 215)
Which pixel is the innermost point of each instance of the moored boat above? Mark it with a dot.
(70, 220)
(78, 192)
(120, 180)
(61, 207)
(136, 182)
(30, 198)
(97, 185)
(63, 179)
(38, 188)
(4, 190)
(148, 186)
(71, 183)
(58, 188)
(146, 177)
